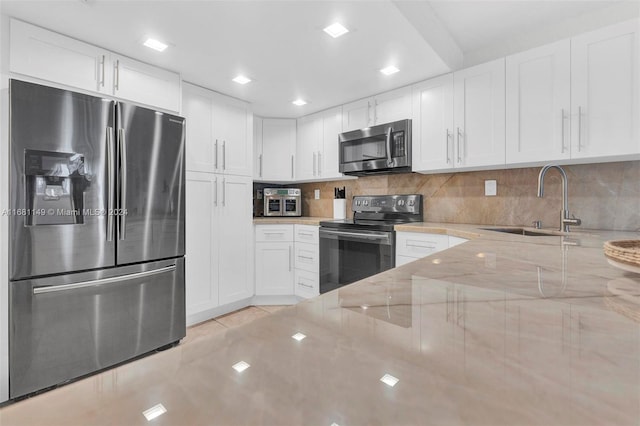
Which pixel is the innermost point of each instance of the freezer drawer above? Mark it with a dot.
(68, 326)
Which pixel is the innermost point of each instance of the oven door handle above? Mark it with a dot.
(382, 238)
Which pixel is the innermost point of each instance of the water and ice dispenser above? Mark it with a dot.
(55, 185)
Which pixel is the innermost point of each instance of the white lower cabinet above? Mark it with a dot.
(287, 260)
(307, 261)
(416, 245)
(218, 241)
(274, 260)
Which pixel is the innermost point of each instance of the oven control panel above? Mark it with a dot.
(387, 203)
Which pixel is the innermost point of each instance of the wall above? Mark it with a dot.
(604, 196)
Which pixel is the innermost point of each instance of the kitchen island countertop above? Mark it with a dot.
(501, 330)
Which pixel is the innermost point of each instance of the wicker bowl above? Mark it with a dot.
(623, 251)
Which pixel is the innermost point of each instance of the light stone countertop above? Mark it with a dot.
(501, 330)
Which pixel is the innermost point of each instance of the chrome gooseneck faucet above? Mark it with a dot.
(565, 220)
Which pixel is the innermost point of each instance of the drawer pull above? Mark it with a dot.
(305, 285)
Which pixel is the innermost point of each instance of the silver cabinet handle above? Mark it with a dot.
(122, 233)
(459, 151)
(579, 128)
(314, 163)
(117, 82)
(292, 166)
(224, 192)
(84, 284)
(562, 129)
(224, 155)
(305, 257)
(110, 189)
(102, 66)
(260, 174)
(368, 113)
(447, 139)
(305, 285)
(215, 155)
(215, 192)
(319, 163)
(289, 258)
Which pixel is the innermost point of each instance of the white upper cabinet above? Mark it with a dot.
(392, 106)
(479, 115)
(49, 56)
(232, 123)
(605, 92)
(317, 145)
(309, 139)
(46, 55)
(538, 104)
(139, 82)
(433, 124)
(197, 108)
(383, 108)
(277, 150)
(217, 132)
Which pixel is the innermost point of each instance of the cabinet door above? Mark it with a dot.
(309, 135)
(278, 149)
(230, 120)
(274, 269)
(357, 115)
(197, 108)
(604, 92)
(328, 155)
(392, 106)
(479, 115)
(201, 243)
(139, 82)
(538, 102)
(53, 57)
(234, 236)
(433, 124)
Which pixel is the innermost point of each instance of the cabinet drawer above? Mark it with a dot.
(267, 233)
(307, 284)
(307, 256)
(416, 245)
(306, 234)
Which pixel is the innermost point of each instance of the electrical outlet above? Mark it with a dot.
(490, 188)
(316, 194)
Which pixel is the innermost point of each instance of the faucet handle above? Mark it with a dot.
(574, 221)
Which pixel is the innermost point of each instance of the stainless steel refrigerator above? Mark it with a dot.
(97, 234)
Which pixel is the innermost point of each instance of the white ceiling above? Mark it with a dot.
(281, 46)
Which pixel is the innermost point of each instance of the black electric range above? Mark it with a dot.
(353, 249)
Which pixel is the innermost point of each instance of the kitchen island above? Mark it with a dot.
(503, 329)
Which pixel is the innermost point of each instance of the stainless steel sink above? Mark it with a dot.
(522, 231)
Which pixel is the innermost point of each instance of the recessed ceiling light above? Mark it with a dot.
(299, 102)
(298, 336)
(153, 412)
(241, 79)
(240, 366)
(336, 29)
(389, 70)
(389, 380)
(155, 44)
(365, 307)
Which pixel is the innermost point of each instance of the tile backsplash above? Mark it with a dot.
(604, 196)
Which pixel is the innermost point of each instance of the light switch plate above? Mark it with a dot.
(490, 188)
(316, 194)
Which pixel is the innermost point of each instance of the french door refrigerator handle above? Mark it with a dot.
(122, 208)
(110, 186)
(92, 283)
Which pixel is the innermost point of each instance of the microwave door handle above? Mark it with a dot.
(388, 143)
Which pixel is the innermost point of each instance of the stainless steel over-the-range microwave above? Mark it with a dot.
(385, 148)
